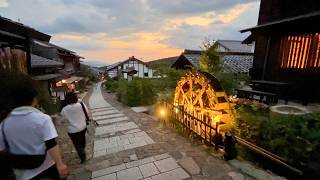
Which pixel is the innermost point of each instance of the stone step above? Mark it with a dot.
(98, 118)
(152, 167)
(120, 143)
(102, 109)
(115, 128)
(113, 120)
(102, 113)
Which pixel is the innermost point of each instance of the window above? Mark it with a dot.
(300, 51)
(146, 74)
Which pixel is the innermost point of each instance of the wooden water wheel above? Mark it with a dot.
(201, 95)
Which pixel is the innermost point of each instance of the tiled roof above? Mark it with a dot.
(46, 77)
(38, 61)
(19, 30)
(237, 63)
(112, 66)
(236, 46)
(193, 59)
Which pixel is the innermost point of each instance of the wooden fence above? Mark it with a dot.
(177, 117)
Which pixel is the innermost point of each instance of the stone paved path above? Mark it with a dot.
(130, 146)
(116, 133)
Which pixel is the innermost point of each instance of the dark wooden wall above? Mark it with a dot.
(271, 10)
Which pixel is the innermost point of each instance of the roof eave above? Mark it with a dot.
(282, 21)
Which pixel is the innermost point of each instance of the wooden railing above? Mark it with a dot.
(176, 116)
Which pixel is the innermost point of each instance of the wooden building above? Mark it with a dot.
(15, 45)
(69, 58)
(129, 68)
(235, 57)
(287, 46)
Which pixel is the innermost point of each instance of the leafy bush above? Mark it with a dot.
(140, 91)
(230, 81)
(295, 138)
(133, 93)
(210, 61)
(111, 85)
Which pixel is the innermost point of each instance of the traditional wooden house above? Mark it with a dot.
(69, 58)
(235, 56)
(287, 46)
(15, 45)
(45, 71)
(129, 68)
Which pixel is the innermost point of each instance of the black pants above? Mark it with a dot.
(51, 173)
(79, 142)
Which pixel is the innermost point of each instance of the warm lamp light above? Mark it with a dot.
(63, 81)
(176, 110)
(217, 118)
(162, 112)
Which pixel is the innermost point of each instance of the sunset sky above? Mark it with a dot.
(107, 31)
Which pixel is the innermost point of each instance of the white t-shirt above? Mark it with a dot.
(26, 130)
(75, 117)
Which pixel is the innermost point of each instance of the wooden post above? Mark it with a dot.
(28, 55)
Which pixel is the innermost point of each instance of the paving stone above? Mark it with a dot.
(107, 112)
(129, 174)
(161, 156)
(165, 165)
(253, 171)
(133, 157)
(113, 120)
(126, 136)
(99, 108)
(112, 176)
(190, 165)
(236, 175)
(99, 118)
(139, 109)
(148, 170)
(102, 109)
(147, 160)
(175, 174)
(114, 139)
(115, 128)
(123, 142)
(133, 164)
(132, 131)
(99, 153)
(108, 170)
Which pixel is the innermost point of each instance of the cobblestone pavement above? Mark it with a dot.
(131, 146)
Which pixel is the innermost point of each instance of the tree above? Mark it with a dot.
(210, 62)
(210, 59)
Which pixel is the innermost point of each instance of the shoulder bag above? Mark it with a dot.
(20, 161)
(90, 123)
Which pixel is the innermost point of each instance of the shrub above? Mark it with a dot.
(111, 85)
(295, 138)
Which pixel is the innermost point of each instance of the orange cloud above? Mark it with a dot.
(233, 13)
(207, 18)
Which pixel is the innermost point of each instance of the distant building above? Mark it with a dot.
(129, 68)
(69, 58)
(287, 40)
(235, 56)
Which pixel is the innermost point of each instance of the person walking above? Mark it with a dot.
(25, 133)
(75, 113)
